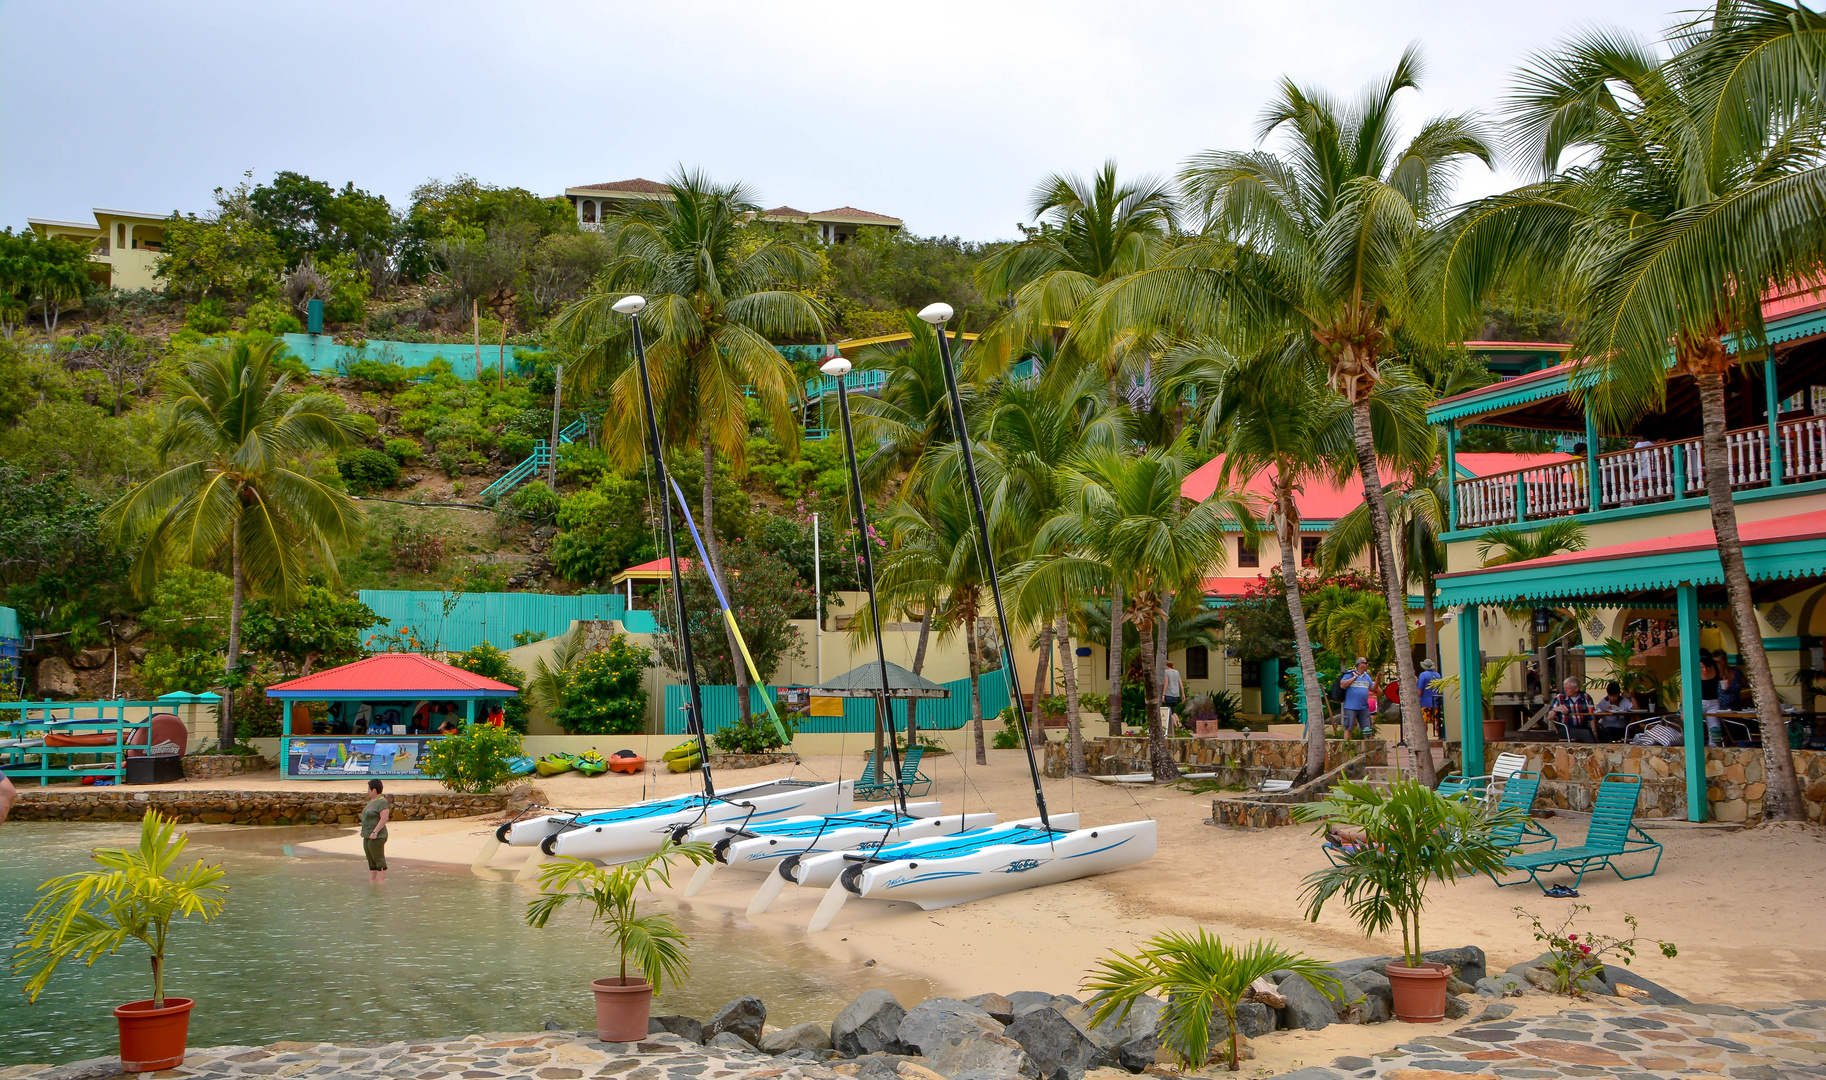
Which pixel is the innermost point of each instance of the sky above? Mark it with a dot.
(945, 114)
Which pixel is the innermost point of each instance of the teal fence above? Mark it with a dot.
(939, 714)
(23, 725)
(320, 353)
(459, 621)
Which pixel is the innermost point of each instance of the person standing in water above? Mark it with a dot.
(7, 794)
(374, 833)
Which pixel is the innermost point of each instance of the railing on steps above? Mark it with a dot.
(541, 458)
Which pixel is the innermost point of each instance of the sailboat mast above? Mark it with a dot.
(678, 588)
(884, 707)
(938, 315)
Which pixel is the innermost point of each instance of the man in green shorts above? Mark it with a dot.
(374, 833)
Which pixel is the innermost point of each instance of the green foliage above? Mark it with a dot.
(458, 416)
(869, 281)
(349, 289)
(527, 637)
(405, 451)
(317, 629)
(306, 216)
(1578, 962)
(272, 316)
(606, 693)
(50, 271)
(603, 530)
(1196, 974)
(1009, 737)
(491, 663)
(416, 547)
(1351, 623)
(365, 470)
(763, 592)
(652, 943)
(56, 566)
(189, 619)
(535, 503)
(754, 734)
(481, 577)
(789, 539)
(133, 897)
(516, 446)
(228, 255)
(206, 316)
(378, 375)
(475, 759)
(1411, 837)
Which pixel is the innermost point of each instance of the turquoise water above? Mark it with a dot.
(306, 949)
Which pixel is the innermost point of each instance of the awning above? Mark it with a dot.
(391, 676)
(1783, 547)
(865, 682)
(655, 570)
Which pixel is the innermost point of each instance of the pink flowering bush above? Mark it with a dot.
(1573, 958)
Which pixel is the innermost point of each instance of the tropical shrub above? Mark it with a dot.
(405, 451)
(603, 530)
(534, 502)
(378, 375)
(653, 944)
(765, 595)
(188, 619)
(206, 317)
(515, 445)
(756, 734)
(475, 759)
(365, 470)
(416, 547)
(272, 316)
(491, 663)
(606, 693)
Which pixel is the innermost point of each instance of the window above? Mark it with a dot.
(1252, 674)
(1309, 550)
(1198, 662)
(1246, 553)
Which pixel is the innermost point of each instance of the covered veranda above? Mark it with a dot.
(1785, 556)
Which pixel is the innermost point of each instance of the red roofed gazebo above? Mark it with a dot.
(382, 712)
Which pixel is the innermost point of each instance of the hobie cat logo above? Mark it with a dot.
(1019, 866)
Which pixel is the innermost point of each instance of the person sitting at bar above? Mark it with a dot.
(1613, 710)
(1572, 708)
(449, 726)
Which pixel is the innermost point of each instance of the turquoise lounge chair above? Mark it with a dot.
(1612, 832)
(869, 788)
(1519, 792)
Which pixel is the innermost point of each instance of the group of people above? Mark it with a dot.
(1358, 709)
(1721, 690)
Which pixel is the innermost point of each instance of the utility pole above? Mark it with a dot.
(557, 402)
(818, 608)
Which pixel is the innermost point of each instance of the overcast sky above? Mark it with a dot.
(944, 114)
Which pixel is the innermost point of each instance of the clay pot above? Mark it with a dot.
(1494, 730)
(623, 1007)
(153, 1039)
(1420, 992)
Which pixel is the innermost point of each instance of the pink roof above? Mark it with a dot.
(1809, 526)
(1230, 586)
(1319, 501)
(656, 566)
(393, 674)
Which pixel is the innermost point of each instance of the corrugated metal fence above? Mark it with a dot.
(459, 621)
(944, 714)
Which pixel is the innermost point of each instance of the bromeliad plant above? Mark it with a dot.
(1573, 958)
(1411, 838)
(653, 943)
(132, 897)
(1195, 974)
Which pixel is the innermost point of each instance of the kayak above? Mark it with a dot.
(626, 761)
(683, 764)
(591, 764)
(100, 738)
(520, 766)
(553, 764)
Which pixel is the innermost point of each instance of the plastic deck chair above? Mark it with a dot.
(912, 782)
(1519, 793)
(1612, 832)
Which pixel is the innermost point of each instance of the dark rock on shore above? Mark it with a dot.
(744, 1018)
(682, 1026)
(868, 1025)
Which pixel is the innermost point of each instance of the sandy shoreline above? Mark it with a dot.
(1738, 903)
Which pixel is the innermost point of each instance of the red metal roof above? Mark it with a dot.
(1319, 501)
(393, 674)
(1809, 526)
(1230, 586)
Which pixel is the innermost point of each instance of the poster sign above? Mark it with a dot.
(338, 758)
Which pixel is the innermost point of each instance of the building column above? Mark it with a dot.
(1470, 690)
(1451, 477)
(1772, 397)
(1691, 711)
(1594, 489)
(1271, 687)
(285, 730)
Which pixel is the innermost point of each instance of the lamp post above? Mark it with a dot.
(631, 306)
(938, 315)
(837, 368)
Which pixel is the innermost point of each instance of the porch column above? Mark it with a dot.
(1451, 477)
(469, 711)
(1470, 691)
(1271, 687)
(1594, 489)
(1691, 711)
(1773, 399)
(285, 728)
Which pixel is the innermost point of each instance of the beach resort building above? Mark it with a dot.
(124, 245)
(835, 226)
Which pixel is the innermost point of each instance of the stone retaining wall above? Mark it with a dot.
(751, 761)
(216, 766)
(1264, 811)
(1249, 760)
(1571, 772)
(259, 807)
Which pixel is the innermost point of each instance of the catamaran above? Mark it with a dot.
(760, 848)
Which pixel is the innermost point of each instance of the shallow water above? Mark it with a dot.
(306, 949)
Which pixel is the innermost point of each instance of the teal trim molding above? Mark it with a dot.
(1626, 513)
(1656, 571)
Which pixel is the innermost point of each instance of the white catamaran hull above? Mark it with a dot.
(821, 871)
(1002, 868)
(763, 853)
(629, 832)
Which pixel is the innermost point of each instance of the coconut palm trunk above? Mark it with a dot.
(743, 706)
(1287, 518)
(976, 691)
(225, 735)
(1114, 713)
(1782, 797)
(1160, 751)
(1074, 738)
(919, 664)
(1413, 723)
(1036, 731)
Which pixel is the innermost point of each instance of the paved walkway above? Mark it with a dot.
(1773, 1042)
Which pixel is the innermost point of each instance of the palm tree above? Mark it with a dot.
(1512, 544)
(1417, 502)
(1090, 234)
(717, 291)
(1674, 194)
(235, 485)
(1325, 242)
(912, 412)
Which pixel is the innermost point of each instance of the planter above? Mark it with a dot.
(153, 1039)
(1494, 730)
(623, 1007)
(1420, 992)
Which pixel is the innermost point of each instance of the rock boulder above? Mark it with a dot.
(939, 1020)
(683, 1026)
(985, 1055)
(1056, 1045)
(729, 1040)
(869, 1025)
(56, 679)
(744, 1018)
(1307, 1009)
(798, 1037)
(995, 1005)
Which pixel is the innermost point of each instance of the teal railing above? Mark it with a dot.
(540, 459)
(30, 721)
(935, 714)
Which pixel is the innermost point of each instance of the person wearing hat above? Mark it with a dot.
(1430, 698)
(1358, 684)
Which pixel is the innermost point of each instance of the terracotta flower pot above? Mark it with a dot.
(623, 1007)
(1420, 992)
(153, 1039)
(1494, 730)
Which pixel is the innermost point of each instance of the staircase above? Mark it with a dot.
(541, 459)
(1402, 762)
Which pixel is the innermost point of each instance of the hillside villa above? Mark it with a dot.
(834, 226)
(124, 245)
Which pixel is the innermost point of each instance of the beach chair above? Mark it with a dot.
(1270, 786)
(1489, 787)
(912, 782)
(1612, 832)
(1518, 793)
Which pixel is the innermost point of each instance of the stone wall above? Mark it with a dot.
(258, 807)
(1571, 772)
(1257, 810)
(1243, 760)
(216, 766)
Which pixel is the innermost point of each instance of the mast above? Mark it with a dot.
(884, 709)
(631, 306)
(938, 315)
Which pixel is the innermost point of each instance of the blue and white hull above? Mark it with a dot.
(628, 832)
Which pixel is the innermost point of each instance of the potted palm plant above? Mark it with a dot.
(651, 945)
(1196, 974)
(1406, 837)
(133, 897)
